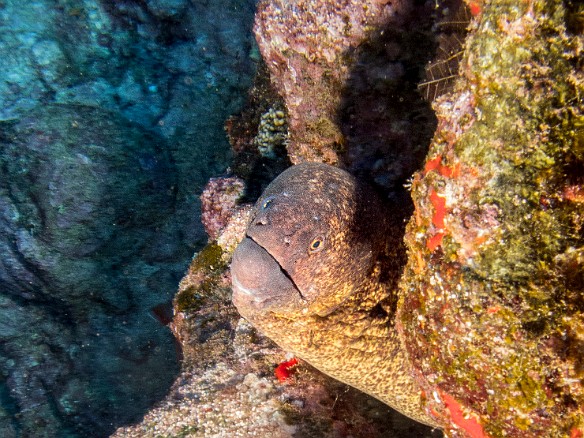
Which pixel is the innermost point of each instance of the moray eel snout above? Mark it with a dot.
(259, 281)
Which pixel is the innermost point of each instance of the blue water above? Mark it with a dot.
(111, 121)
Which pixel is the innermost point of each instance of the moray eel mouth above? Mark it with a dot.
(259, 281)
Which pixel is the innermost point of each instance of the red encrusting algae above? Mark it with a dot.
(475, 8)
(435, 164)
(439, 204)
(286, 369)
(469, 422)
(438, 201)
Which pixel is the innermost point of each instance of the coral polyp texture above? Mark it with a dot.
(491, 311)
(309, 49)
(272, 133)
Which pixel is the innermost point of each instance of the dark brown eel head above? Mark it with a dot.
(312, 240)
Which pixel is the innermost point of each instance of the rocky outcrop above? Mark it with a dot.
(83, 193)
(491, 311)
(111, 123)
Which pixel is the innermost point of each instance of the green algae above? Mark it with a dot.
(208, 267)
(519, 140)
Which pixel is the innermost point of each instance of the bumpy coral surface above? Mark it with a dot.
(219, 203)
(491, 311)
(309, 49)
(272, 133)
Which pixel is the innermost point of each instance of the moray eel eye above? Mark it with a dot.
(316, 245)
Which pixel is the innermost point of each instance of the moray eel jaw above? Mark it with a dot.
(259, 282)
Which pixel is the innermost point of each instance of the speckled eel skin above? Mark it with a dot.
(317, 272)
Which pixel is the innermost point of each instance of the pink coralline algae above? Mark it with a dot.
(219, 203)
(309, 49)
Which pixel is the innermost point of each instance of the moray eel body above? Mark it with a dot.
(317, 272)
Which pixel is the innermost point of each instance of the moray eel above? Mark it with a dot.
(317, 273)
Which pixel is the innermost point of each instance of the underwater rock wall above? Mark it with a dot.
(348, 74)
(111, 122)
(491, 312)
(83, 195)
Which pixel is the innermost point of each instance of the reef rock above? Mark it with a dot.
(219, 203)
(82, 195)
(348, 73)
(491, 312)
(309, 49)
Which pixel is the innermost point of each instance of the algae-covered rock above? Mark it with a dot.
(348, 73)
(309, 49)
(491, 312)
(82, 195)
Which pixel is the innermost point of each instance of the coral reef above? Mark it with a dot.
(491, 312)
(219, 203)
(309, 49)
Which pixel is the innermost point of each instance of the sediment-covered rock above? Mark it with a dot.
(82, 194)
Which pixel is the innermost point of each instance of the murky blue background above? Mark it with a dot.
(111, 121)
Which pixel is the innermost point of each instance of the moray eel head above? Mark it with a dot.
(304, 230)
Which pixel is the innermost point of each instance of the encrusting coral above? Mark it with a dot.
(219, 203)
(272, 133)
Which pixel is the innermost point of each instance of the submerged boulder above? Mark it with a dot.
(491, 309)
(81, 196)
